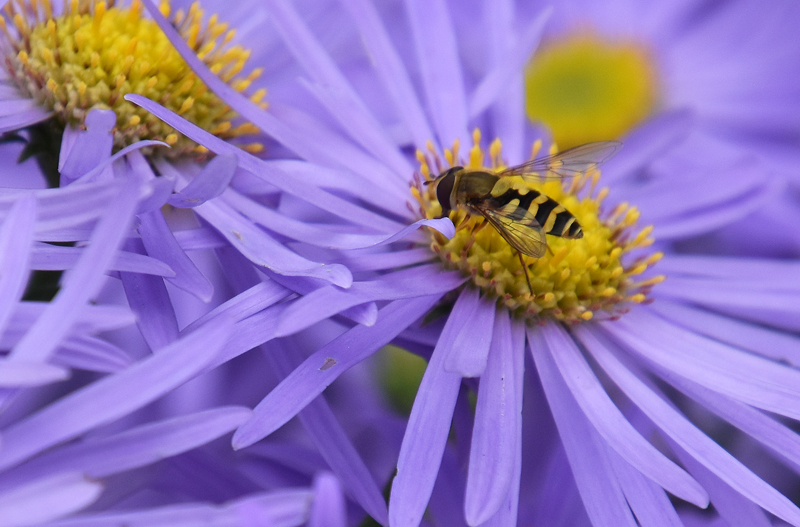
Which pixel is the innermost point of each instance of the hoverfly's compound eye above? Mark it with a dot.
(444, 188)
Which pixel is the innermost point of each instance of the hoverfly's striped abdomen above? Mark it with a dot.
(554, 219)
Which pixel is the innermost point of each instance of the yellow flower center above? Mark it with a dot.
(91, 56)
(576, 278)
(586, 89)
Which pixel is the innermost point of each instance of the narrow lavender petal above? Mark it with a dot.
(45, 257)
(440, 68)
(203, 237)
(102, 169)
(161, 244)
(90, 353)
(470, 351)
(385, 260)
(504, 72)
(262, 249)
(307, 233)
(15, 373)
(390, 69)
(341, 100)
(89, 148)
(762, 271)
(649, 141)
(16, 238)
(361, 126)
(428, 425)
(776, 345)
(365, 314)
(328, 509)
(322, 199)
(327, 301)
(611, 424)
(47, 499)
(507, 513)
(494, 455)
(736, 512)
(114, 396)
(648, 501)
(282, 508)
(212, 181)
(136, 447)
(147, 296)
(687, 436)
(23, 119)
(767, 385)
(92, 319)
(85, 279)
(309, 380)
(677, 227)
(598, 486)
(245, 304)
(332, 442)
(365, 184)
(768, 431)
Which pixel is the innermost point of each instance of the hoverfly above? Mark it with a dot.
(522, 216)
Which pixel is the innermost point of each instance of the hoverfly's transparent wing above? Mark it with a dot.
(518, 227)
(565, 164)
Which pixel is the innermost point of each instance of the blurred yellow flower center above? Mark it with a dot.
(586, 89)
(90, 56)
(576, 278)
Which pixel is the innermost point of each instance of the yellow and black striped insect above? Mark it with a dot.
(521, 215)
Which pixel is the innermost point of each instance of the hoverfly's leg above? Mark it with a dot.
(550, 251)
(525, 268)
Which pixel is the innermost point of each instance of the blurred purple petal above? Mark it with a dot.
(16, 239)
(89, 148)
(469, 353)
(114, 396)
(328, 509)
(310, 379)
(16, 373)
(48, 257)
(47, 499)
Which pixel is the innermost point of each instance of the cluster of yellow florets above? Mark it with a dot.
(92, 54)
(576, 279)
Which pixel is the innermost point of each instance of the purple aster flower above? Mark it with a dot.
(611, 367)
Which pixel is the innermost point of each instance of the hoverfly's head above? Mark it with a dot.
(444, 189)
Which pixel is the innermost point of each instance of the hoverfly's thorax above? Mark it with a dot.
(474, 185)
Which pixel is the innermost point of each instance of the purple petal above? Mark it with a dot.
(15, 373)
(648, 501)
(327, 301)
(469, 353)
(494, 456)
(47, 499)
(45, 257)
(260, 248)
(506, 71)
(84, 281)
(778, 346)
(114, 396)
(328, 509)
(428, 425)
(212, 181)
(439, 63)
(310, 379)
(282, 508)
(92, 319)
(390, 69)
(385, 260)
(322, 199)
(687, 436)
(598, 486)
(89, 148)
(16, 237)
(93, 354)
(161, 244)
(332, 442)
(736, 512)
(611, 424)
(136, 447)
(23, 119)
(767, 385)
